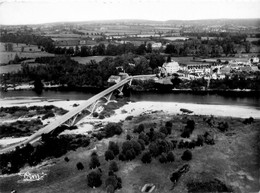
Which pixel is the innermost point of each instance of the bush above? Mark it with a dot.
(168, 126)
(128, 137)
(127, 145)
(154, 149)
(187, 155)
(109, 155)
(137, 147)
(111, 180)
(142, 143)
(48, 115)
(94, 179)
(110, 189)
(66, 159)
(144, 137)
(121, 157)
(113, 147)
(146, 158)
(200, 140)
(95, 114)
(113, 166)
(164, 130)
(170, 157)
(163, 158)
(112, 129)
(249, 120)
(139, 129)
(94, 162)
(130, 155)
(129, 118)
(80, 166)
(223, 126)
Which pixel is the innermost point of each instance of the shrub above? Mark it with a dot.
(110, 189)
(208, 139)
(121, 157)
(163, 158)
(113, 147)
(80, 166)
(127, 145)
(164, 130)
(191, 144)
(94, 153)
(248, 120)
(112, 129)
(223, 126)
(200, 140)
(66, 159)
(48, 115)
(109, 155)
(187, 155)
(113, 166)
(111, 180)
(94, 162)
(130, 155)
(94, 179)
(144, 137)
(137, 147)
(129, 118)
(154, 149)
(146, 158)
(128, 137)
(142, 143)
(139, 129)
(170, 157)
(95, 114)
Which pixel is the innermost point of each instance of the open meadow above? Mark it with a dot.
(22, 50)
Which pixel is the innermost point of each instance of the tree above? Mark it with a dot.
(94, 162)
(144, 137)
(170, 157)
(127, 145)
(80, 166)
(38, 85)
(113, 147)
(142, 143)
(149, 48)
(121, 157)
(247, 46)
(137, 147)
(94, 179)
(168, 126)
(163, 158)
(154, 149)
(113, 166)
(139, 129)
(109, 155)
(187, 155)
(130, 154)
(146, 158)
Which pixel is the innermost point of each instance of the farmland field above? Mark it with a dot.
(30, 51)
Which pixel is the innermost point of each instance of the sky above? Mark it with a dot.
(16, 12)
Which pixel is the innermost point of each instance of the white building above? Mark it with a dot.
(171, 67)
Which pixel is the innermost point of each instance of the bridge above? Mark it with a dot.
(73, 116)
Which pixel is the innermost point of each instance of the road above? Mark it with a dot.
(34, 137)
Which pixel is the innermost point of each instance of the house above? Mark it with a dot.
(114, 79)
(156, 45)
(171, 67)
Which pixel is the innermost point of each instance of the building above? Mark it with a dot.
(171, 67)
(114, 79)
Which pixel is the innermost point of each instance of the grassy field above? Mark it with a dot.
(14, 67)
(30, 51)
(85, 60)
(233, 160)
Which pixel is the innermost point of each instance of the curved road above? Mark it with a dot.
(34, 137)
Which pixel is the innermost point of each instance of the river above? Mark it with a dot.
(145, 96)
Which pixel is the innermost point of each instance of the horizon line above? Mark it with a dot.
(111, 20)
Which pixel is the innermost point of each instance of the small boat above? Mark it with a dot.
(186, 111)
